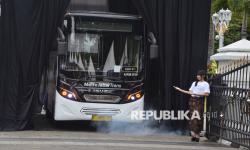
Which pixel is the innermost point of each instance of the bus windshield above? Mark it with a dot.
(102, 50)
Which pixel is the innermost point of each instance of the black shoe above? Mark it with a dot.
(193, 139)
(197, 139)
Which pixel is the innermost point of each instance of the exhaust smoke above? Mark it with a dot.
(147, 127)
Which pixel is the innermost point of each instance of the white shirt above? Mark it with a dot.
(201, 88)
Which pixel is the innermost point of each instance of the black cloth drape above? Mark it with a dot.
(183, 43)
(1, 72)
(122, 6)
(29, 30)
(148, 10)
(182, 29)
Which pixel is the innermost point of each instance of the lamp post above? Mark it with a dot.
(221, 22)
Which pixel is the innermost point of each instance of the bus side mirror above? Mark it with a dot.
(153, 46)
(62, 47)
(62, 44)
(153, 51)
(61, 36)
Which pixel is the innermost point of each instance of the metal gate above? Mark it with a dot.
(229, 104)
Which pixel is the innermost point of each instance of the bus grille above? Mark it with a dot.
(101, 111)
(102, 98)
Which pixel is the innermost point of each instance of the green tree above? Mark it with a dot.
(241, 6)
(239, 23)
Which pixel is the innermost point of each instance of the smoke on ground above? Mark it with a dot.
(142, 128)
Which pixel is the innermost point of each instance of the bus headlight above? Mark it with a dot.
(134, 96)
(67, 94)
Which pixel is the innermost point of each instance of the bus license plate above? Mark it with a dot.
(101, 118)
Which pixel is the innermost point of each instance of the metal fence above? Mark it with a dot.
(229, 104)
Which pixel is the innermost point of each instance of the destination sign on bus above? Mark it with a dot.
(102, 85)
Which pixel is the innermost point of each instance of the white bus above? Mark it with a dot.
(98, 72)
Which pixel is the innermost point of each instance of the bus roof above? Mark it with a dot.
(107, 15)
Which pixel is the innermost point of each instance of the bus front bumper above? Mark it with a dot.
(68, 110)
